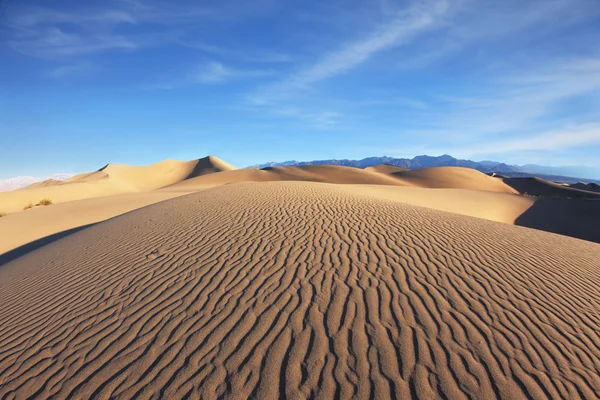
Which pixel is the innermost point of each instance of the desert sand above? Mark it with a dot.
(110, 180)
(194, 279)
(301, 289)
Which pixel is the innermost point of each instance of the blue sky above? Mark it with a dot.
(84, 83)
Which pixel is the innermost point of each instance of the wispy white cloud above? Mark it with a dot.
(318, 119)
(246, 55)
(215, 72)
(44, 33)
(555, 141)
(209, 73)
(72, 69)
(212, 72)
(51, 33)
(516, 101)
(408, 24)
(401, 27)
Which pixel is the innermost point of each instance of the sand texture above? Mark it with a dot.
(301, 290)
(23, 228)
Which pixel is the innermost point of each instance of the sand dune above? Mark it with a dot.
(301, 289)
(173, 178)
(309, 173)
(452, 177)
(542, 187)
(112, 179)
(439, 177)
(21, 229)
(590, 187)
(165, 173)
(500, 207)
(386, 169)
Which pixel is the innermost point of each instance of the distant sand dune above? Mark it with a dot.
(310, 173)
(302, 290)
(439, 177)
(386, 169)
(110, 180)
(452, 177)
(542, 187)
(590, 187)
(115, 189)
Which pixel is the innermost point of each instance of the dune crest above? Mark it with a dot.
(437, 177)
(544, 188)
(452, 177)
(113, 179)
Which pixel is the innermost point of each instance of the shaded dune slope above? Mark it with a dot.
(591, 187)
(303, 290)
(542, 187)
(572, 217)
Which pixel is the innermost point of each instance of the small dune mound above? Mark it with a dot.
(386, 169)
(544, 188)
(309, 173)
(591, 187)
(452, 177)
(42, 184)
(331, 174)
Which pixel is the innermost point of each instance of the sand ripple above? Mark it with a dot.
(301, 290)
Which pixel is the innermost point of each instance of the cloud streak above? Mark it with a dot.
(555, 141)
(401, 27)
(74, 69)
(408, 24)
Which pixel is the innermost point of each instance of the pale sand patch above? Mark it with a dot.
(25, 227)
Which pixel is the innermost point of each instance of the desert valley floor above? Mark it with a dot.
(197, 280)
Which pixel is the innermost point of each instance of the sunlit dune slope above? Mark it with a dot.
(46, 183)
(21, 229)
(386, 168)
(452, 177)
(500, 207)
(310, 173)
(439, 177)
(112, 179)
(302, 290)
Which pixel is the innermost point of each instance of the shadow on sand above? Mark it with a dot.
(36, 244)
(570, 217)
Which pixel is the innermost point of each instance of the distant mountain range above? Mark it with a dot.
(561, 174)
